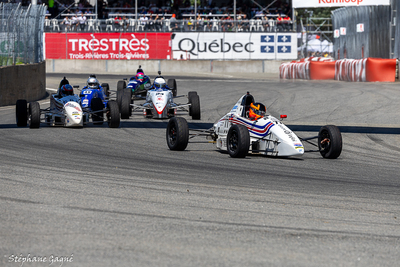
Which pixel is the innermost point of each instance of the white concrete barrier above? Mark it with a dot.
(166, 66)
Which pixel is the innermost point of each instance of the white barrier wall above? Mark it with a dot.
(166, 66)
(230, 45)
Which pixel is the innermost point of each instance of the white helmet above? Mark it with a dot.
(159, 83)
(93, 83)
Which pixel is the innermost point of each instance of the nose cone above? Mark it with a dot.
(160, 101)
(73, 114)
(290, 149)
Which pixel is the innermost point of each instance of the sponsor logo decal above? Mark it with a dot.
(215, 46)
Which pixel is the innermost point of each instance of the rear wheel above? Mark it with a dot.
(106, 89)
(113, 118)
(97, 105)
(121, 85)
(120, 89)
(238, 141)
(172, 85)
(194, 109)
(177, 133)
(126, 109)
(34, 115)
(21, 112)
(330, 142)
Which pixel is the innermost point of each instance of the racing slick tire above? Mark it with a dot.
(190, 95)
(126, 110)
(194, 109)
(177, 133)
(21, 112)
(330, 141)
(34, 115)
(121, 85)
(120, 89)
(96, 105)
(113, 118)
(172, 85)
(238, 141)
(106, 89)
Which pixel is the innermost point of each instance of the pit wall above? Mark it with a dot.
(351, 70)
(22, 82)
(165, 66)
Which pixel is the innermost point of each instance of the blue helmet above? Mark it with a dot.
(67, 89)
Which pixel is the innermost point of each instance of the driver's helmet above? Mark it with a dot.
(140, 76)
(257, 111)
(93, 83)
(159, 83)
(66, 90)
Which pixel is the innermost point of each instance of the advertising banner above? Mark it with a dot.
(337, 3)
(234, 45)
(107, 46)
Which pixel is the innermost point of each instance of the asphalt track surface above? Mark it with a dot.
(120, 197)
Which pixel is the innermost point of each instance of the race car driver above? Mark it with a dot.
(257, 111)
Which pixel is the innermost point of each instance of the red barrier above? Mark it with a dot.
(352, 70)
(381, 70)
(322, 70)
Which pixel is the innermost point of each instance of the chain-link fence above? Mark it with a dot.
(21, 33)
(362, 32)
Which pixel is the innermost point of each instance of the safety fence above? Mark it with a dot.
(361, 32)
(353, 70)
(21, 30)
(165, 25)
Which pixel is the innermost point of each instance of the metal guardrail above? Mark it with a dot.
(21, 30)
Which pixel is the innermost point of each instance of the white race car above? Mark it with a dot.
(246, 128)
(66, 110)
(160, 102)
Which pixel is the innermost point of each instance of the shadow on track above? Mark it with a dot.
(347, 129)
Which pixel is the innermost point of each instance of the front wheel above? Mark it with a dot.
(238, 141)
(172, 85)
(34, 115)
(194, 109)
(177, 133)
(113, 118)
(21, 112)
(126, 110)
(330, 142)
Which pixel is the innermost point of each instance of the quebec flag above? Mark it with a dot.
(267, 49)
(267, 39)
(284, 39)
(284, 49)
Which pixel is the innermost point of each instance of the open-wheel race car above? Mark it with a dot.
(159, 102)
(139, 85)
(247, 129)
(66, 110)
(92, 90)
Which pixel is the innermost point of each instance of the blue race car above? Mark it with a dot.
(94, 90)
(139, 85)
